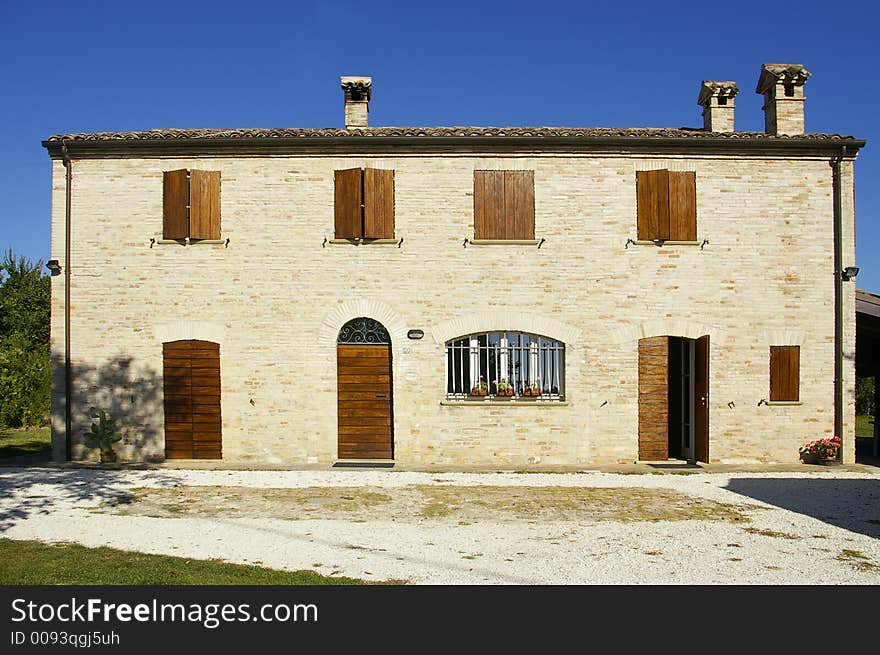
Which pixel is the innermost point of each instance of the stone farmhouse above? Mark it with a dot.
(458, 296)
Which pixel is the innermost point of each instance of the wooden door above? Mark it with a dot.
(193, 426)
(701, 399)
(364, 401)
(654, 398)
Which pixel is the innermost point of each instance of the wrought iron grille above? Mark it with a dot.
(363, 330)
(490, 363)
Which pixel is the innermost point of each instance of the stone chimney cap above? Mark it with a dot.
(773, 74)
(359, 84)
(712, 88)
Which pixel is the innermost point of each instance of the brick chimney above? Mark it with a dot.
(716, 98)
(357, 99)
(782, 86)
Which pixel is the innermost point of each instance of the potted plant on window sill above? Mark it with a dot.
(505, 390)
(531, 390)
(480, 389)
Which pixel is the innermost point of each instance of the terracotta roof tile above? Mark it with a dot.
(431, 132)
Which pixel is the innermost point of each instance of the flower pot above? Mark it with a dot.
(816, 459)
(108, 456)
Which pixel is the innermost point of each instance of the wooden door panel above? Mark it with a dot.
(364, 402)
(654, 398)
(193, 423)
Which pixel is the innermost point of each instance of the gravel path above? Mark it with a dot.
(795, 528)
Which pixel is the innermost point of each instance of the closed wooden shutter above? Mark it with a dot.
(682, 206)
(519, 201)
(785, 365)
(666, 205)
(488, 204)
(378, 204)
(204, 212)
(175, 199)
(504, 205)
(652, 194)
(654, 398)
(349, 204)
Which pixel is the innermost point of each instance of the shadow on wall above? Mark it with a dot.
(132, 395)
(23, 491)
(850, 504)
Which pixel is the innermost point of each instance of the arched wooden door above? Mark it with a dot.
(193, 427)
(364, 400)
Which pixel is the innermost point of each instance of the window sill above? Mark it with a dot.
(783, 403)
(369, 242)
(496, 402)
(660, 244)
(185, 242)
(505, 242)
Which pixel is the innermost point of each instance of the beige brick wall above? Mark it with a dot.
(277, 295)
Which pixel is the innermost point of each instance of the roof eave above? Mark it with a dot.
(793, 146)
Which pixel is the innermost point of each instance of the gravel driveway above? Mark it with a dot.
(471, 528)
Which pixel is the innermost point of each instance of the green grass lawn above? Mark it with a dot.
(864, 425)
(36, 563)
(24, 441)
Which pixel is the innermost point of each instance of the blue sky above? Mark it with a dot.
(90, 66)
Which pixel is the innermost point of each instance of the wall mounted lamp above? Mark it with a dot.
(849, 273)
(54, 267)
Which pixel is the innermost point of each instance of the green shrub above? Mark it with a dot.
(865, 396)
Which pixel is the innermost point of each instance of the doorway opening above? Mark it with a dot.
(674, 398)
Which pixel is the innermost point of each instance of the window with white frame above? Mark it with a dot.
(505, 365)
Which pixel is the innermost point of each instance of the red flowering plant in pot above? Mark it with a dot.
(821, 451)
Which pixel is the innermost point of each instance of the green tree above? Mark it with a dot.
(24, 342)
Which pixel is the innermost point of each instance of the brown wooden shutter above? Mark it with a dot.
(175, 198)
(652, 193)
(378, 204)
(204, 210)
(682, 206)
(785, 364)
(349, 204)
(519, 205)
(488, 204)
